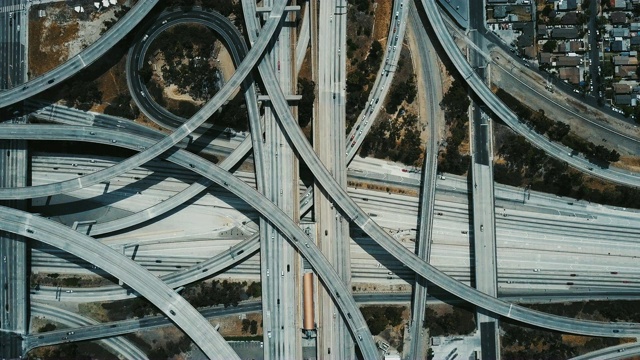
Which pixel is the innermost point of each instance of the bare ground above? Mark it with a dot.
(63, 33)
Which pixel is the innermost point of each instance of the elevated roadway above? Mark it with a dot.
(425, 59)
(137, 58)
(384, 78)
(407, 257)
(118, 346)
(87, 329)
(623, 351)
(361, 218)
(81, 61)
(484, 229)
(293, 233)
(149, 286)
(555, 150)
(163, 145)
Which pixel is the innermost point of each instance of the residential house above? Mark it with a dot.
(565, 33)
(500, 12)
(570, 46)
(545, 58)
(571, 74)
(570, 18)
(625, 100)
(619, 88)
(564, 60)
(624, 60)
(542, 31)
(620, 32)
(567, 5)
(617, 4)
(619, 46)
(618, 18)
(626, 72)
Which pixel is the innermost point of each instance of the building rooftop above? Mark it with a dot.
(624, 60)
(618, 17)
(570, 18)
(564, 60)
(571, 74)
(622, 88)
(565, 33)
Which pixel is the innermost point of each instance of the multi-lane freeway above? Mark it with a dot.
(268, 197)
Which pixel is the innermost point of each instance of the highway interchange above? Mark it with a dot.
(276, 214)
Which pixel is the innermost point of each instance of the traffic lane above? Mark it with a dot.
(82, 60)
(295, 235)
(214, 20)
(163, 145)
(208, 268)
(116, 328)
(113, 262)
(357, 215)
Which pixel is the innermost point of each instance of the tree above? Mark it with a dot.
(430, 354)
(246, 323)
(47, 327)
(375, 53)
(255, 289)
(550, 46)
(306, 88)
(254, 327)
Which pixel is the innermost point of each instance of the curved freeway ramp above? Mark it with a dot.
(289, 229)
(119, 345)
(361, 218)
(165, 144)
(153, 289)
(501, 110)
(81, 61)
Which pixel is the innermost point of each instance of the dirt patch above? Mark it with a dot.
(305, 69)
(113, 82)
(382, 20)
(382, 188)
(626, 162)
(63, 33)
(54, 279)
(94, 311)
(225, 63)
(173, 93)
(47, 44)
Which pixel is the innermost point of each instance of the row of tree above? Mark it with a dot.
(379, 317)
(306, 88)
(458, 321)
(558, 131)
(360, 81)
(456, 107)
(527, 165)
(398, 140)
(400, 92)
(202, 294)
